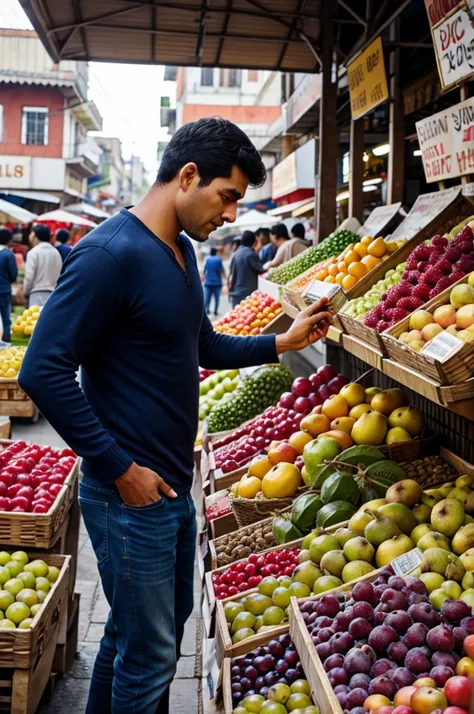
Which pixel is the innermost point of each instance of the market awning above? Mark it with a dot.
(33, 196)
(306, 207)
(284, 33)
(61, 216)
(88, 210)
(289, 208)
(11, 213)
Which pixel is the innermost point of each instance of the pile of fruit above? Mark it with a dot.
(270, 680)
(429, 471)
(31, 477)
(250, 316)
(205, 373)
(386, 649)
(355, 262)
(430, 270)
(457, 318)
(26, 322)
(10, 361)
(330, 247)
(256, 392)
(248, 574)
(24, 586)
(359, 307)
(240, 544)
(215, 389)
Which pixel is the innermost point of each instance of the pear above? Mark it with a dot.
(433, 540)
(467, 559)
(385, 402)
(431, 497)
(359, 548)
(445, 489)
(306, 573)
(469, 505)
(435, 560)
(370, 429)
(326, 582)
(455, 570)
(468, 580)
(399, 513)
(461, 493)
(468, 519)
(448, 516)
(419, 531)
(333, 563)
(409, 418)
(370, 393)
(322, 544)
(422, 513)
(360, 520)
(392, 548)
(356, 569)
(373, 505)
(464, 480)
(408, 492)
(463, 540)
(380, 530)
(342, 535)
(311, 536)
(397, 434)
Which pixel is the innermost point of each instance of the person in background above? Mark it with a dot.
(42, 268)
(298, 233)
(266, 249)
(62, 243)
(213, 274)
(287, 248)
(245, 267)
(8, 275)
(17, 245)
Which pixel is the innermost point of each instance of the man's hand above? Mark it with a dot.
(140, 486)
(310, 326)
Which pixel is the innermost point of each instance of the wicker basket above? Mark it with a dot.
(251, 510)
(410, 450)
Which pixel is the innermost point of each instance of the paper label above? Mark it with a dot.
(425, 209)
(407, 562)
(248, 371)
(318, 289)
(379, 219)
(218, 473)
(442, 347)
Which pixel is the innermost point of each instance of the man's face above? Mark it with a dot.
(202, 209)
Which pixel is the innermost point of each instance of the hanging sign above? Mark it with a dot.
(367, 80)
(446, 141)
(425, 209)
(453, 40)
(379, 220)
(438, 9)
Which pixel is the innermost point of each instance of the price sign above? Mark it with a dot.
(426, 208)
(379, 220)
(318, 289)
(407, 562)
(367, 80)
(468, 190)
(453, 40)
(442, 347)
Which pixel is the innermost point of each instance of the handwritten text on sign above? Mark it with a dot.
(454, 46)
(367, 80)
(447, 142)
(438, 9)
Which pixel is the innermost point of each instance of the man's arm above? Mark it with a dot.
(12, 267)
(279, 258)
(256, 264)
(30, 269)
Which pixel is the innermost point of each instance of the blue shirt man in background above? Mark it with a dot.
(267, 249)
(62, 238)
(245, 267)
(8, 275)
(213, 273)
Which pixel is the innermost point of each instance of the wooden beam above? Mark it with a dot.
(464, 95)
(327, 145)
(356, 177)
(396, 157)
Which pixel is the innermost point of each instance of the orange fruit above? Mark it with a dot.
(321, 274)
(370, 262)
(358, 270)
(361, 249)
(349, 282)
(342, 266)
(366, 240)
(351, 256)
(378, 248)
(340, 277)
(333, 270)
(330, 279)
(392, 246)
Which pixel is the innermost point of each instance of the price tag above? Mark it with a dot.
(407, 562)
(248, 371)
(218, 473)
(426, 208)
(442, 347)
(379, 219)
(318, 289)
(468, 190)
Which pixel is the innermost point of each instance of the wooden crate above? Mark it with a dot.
(455, 370)
(223, 525)
(361, 332)
(66, 647)
(372, 355)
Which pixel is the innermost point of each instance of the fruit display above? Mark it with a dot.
(330, 247)
(251, 539)
(270, 680)
(250, 316)
(356, 261)
(386, 649)
(249, 573)
(205, 373)
(429, 471)
(430, 270)
(25, 585)
(26, 322)
(10, 361)
(32, 476)
(216, 388)
(359, 307)
(456, 317)
(256, 392)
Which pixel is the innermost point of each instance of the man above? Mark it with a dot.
(128, 309)
(266, 249)
(8, 275)
(245, 267)
(62, 240)
(42, 267)
(287, 248)
(213, 274)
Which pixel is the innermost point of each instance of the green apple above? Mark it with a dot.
(38, 568)
(20, 556)
(432, 581)
(17, 612)
(14, 585)
(437, 598)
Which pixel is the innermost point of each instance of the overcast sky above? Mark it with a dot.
(127, 96)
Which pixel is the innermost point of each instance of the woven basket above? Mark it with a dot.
(410, 450)
(251, 510)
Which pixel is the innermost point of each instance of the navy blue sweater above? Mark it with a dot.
(8, 271)
(127, 313)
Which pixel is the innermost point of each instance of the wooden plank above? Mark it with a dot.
(363, 351)
(18, 408)
(334, 334)
(396, 158)
(356, 195)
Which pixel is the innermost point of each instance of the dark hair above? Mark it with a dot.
(264, 232)
(62, 235)
(42, 233)
(248, 238)
(215, 145)
(298, 231)
(213, 251)
(280, 231)
(5, 236)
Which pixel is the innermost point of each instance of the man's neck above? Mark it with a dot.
(156, 210)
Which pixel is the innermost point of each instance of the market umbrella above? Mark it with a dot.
(11, 213)
(61, 216)
(92, 211)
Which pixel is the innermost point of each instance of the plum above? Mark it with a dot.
(417, 661)
(397, 651)
(399, 620)
(416, 635)
(441, 638)
(381, 637)
(357, 662)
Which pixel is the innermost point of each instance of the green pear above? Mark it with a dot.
(306, 573)
(392, 548)
(356, 569)
(325, 583)
(448, 516)
(445, 489)
(469, 505)
(322, 544)
(408, 492)
(419, 531)
(464, 480)
(422, 513)
(463, 540)
(333, 563)
(359, 548)
(433, 540)
(461, 493)
(431, 497)
(342, 535)
(432, 581)
(401, 514)
(360, 520)
(435, 560)
(467, 559)
(380, 530)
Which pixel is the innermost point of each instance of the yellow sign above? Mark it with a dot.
(367, 80)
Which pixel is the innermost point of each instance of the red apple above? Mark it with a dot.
(287, 400)
(20, 503)
(455, 710)
(458, 691)
(5, 503)
(283, 452)
(302, 405)
(328, 372)
(301, 387)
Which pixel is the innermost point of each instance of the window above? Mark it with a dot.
(1, 122)
(207, 77)
(230, 78)
(34, 126)
(252, 75)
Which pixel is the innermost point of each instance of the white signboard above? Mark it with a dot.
(15, 171)
(379, 219)
(425, 209)
(453, 41)
(447, 142)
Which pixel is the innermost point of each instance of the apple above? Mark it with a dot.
(430, 331)
(445, 316)
(465, 667)
(302, 405)
(283, 452)
(426, 699)
(287, 400)
(458, 691)
(419, 319)
(301, 387)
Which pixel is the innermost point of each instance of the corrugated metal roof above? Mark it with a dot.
(257, 34)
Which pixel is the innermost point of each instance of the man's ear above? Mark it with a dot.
(188, 174)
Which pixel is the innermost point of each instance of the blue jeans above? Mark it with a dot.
(146, 563)
(5, 312)
(212, 291)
